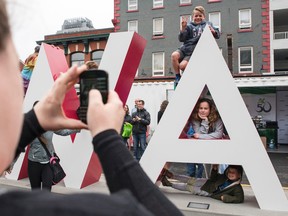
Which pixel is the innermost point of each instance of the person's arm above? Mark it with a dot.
(216, 134)
(129, 119)
(235, 196)
(183, 35)
(215, 31)
(30, 130)
(121, 170)
(146, 120)
(124, 172)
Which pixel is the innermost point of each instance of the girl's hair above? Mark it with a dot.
(4, 25)
(213, 115)
(163, 105)
(199, 9)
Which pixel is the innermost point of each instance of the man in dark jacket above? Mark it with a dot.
(225, 187)
(140, 121)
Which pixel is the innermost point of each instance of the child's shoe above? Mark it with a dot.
(177, 79)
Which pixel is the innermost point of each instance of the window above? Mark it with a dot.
(158, 64)
(215, 18)
(245, 58)
(185, 2)
(158, 26)
(133, 25)
(187, 17)
(157, 3)
(97, 56)
(77, 58)
(132, 5)
(245, 19)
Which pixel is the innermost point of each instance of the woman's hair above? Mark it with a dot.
(127, 112)
(213, 115)
(4, 24)
(163, 105)
(199, 9)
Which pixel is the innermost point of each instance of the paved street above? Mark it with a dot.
(250, 206)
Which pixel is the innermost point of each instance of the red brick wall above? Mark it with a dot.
(266, 36)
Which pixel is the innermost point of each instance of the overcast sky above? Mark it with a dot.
(31, 20)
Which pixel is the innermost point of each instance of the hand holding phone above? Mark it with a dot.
(91, 79)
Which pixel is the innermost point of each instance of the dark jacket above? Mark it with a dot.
(140, 127)
(191, 35)
(232, 194)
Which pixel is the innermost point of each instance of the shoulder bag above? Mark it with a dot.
(54, 162)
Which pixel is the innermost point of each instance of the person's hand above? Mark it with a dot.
(101, 117)
(212, 30)
(49, 110)
(183, 24)
(196, 135)
(203, 117)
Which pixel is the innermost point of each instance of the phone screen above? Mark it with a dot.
(93, 79)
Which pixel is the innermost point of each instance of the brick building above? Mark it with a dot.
(79, 40)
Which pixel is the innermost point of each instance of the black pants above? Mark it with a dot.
(40, 173)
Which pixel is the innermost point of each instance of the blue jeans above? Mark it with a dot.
(139, 144)
(191, 169)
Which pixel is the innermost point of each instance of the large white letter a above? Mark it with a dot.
(207, 67)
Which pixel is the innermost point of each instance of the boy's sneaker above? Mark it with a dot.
(177, 79)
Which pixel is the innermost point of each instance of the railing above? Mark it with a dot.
(280, 35)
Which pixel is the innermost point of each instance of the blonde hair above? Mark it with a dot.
(199, 9)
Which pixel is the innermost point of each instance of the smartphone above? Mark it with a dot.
(91, 79)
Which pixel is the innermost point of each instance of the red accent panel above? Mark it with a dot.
(130, 65)
(58, 64)
(56, 59)
(24, 168)
(93, 171)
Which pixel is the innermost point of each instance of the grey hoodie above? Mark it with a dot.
(38, 154)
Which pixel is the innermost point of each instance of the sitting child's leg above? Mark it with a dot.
(180, 186)
(181, 178)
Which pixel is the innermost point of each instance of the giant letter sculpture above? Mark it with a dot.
(121, 58)
(208, 68)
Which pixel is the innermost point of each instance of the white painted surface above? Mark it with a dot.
(244, 147)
